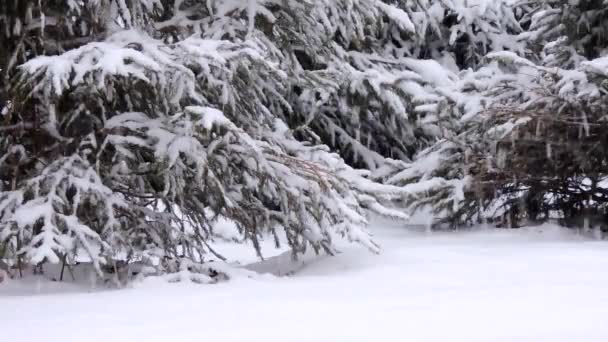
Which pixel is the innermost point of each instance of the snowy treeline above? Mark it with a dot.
(129, 127)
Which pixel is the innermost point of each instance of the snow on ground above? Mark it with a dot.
(535, 284)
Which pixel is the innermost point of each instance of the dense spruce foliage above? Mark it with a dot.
(531, 147)
(128, 128)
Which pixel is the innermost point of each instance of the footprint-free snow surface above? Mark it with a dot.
(535, 284)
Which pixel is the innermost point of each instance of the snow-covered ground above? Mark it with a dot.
(535, 284)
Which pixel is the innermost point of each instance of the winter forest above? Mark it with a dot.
(131, 130)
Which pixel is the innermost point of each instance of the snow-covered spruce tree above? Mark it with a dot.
(350, 85)
(145, 121)
(536, 148)
(396, 78)
(381, 85)
(557, 165)
(369, 79)
(457, 35)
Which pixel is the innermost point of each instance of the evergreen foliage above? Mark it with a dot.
(147, 120)
(532, 146)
